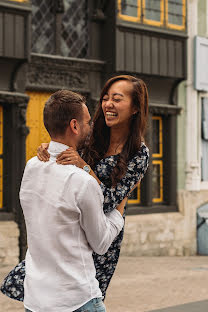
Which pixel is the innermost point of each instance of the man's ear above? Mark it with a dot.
(74, 125)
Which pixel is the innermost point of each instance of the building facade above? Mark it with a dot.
(78, 45)
(183, 232)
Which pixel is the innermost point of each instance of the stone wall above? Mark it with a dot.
(9, 243)
(160, 234)
(165, 234)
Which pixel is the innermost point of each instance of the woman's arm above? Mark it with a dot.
(72, 157)
(121, 206)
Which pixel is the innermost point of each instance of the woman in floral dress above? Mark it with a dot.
(118, 159)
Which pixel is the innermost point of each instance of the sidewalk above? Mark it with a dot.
(149, 283)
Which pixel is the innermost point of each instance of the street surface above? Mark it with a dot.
(147, 284)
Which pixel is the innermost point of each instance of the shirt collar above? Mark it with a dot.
(55, 148)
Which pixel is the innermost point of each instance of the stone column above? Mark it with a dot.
(192, 138)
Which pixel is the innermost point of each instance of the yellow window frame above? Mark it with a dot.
(152, 22)
(160, 163)
(173, 26)
(136, 201)
(160, 137)
(1, 160)
(128, 17)
(19, 0)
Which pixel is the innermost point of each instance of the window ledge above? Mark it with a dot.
(135, 210)
(6, 216)
(165, 109)
(156, 29)
(23, 6)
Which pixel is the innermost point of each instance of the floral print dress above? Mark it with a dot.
(13, 285)
(106, 264)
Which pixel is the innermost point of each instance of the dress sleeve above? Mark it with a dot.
(136, 170)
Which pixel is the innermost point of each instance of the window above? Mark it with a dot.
(43, 27)
(161, 13)
(1, 157)
(60, 30)
(129, 10)
(153, 12)
(176, 14)
(157, 190)
(157, 166)
(74, 30)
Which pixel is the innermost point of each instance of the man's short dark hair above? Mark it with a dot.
(60, 109)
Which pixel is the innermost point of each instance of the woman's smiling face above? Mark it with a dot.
(117, 104)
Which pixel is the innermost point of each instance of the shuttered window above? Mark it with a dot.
(204, 140)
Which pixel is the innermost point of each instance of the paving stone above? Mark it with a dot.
(144, 284)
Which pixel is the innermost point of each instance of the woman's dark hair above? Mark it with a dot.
(100, 138)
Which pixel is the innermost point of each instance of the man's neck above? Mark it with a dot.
(65, 142)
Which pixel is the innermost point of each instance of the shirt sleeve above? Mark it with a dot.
(136, 170)
(100, 229)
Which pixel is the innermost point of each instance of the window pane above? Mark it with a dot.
(157, 136)
(175, 12)
(43, 27)
(74, 32)
(157, 182)
(129, 7)
(133, 195)
(152, 10)
(156, 140)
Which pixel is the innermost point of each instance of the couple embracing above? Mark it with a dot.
(74, 203)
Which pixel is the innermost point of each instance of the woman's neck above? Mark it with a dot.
(119, 134)
(118, 137)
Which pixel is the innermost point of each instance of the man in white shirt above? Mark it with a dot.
(64, 217)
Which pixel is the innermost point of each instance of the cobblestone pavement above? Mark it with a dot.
(148, 283)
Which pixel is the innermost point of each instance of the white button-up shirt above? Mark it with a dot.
(65, 222)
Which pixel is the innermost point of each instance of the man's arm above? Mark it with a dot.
(100, 229)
